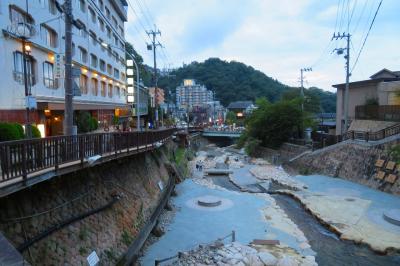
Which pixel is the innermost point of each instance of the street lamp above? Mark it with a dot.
(137, 80)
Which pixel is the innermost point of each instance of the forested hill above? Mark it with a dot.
(234, 81)
(231, 81)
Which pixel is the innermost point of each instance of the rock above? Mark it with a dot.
(304, 245)
(253, 260)
(267, 258)
(287, 261)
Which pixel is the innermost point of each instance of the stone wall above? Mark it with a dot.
(286, 152)
(350, 160)
(108, 232)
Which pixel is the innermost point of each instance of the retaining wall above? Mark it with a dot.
(133, 180)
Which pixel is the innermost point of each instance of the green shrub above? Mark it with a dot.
(20, 130)
(394, 153)
(35, 132)
(93, 124)
(251, 146)
(11, 131)
(242, 140)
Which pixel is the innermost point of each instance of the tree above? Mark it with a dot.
(231, 118)
(274, 123)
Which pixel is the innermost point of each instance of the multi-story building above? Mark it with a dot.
(192, 94)
(375, 99)
(98, 52)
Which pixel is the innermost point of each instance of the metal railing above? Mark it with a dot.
(323, 140)
(23, 157)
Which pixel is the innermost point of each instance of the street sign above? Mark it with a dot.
(30, 102)
(76, 72)
(93, 259)
(58, 58)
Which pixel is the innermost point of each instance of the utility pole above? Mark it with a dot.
(153, 46)
(306, 69)
(69, 112)
(340, 51)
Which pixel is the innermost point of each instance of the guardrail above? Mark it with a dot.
(24, 157)
(373, 136)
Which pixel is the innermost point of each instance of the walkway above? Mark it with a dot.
(27, 162)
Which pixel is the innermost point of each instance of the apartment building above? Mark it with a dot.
(157, 96)
(98, 52)
(192, 94)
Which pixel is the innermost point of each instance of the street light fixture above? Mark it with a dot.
(105, 45)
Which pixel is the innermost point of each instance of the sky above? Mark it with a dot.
(277, 37)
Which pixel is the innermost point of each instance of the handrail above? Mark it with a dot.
(21, 158)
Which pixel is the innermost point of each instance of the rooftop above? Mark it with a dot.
(383, 75)
(240, 104)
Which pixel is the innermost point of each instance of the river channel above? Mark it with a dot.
(190, 227)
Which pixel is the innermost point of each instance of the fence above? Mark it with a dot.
(323, 140)
(23, 157)
(378, 112)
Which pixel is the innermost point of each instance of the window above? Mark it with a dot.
(108, 32)
(83, 84)
(93, 85)
(19, 16)
(116, 56)
(123, 77)
(82, 5)
(19, 68)
(103, 89)
(48, 75)
(52, 7)
(107, 12)
(48, 36)
(110, 90)
(109, 69)
(115, 23)
(82, 31)
(101, 24)
(116, 40)
(121, 30)
(93, 37)
(93, 60)
(102, 65)
(116, 73)
(92, 15)
(82, 55)
(101, 5)
(117, 91)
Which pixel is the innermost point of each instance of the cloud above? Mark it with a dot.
(276, 37)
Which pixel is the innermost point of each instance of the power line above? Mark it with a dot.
(361, 15)
(366, 37)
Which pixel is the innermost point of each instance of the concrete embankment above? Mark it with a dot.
(100, 209)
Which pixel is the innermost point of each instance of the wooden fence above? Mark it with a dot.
(23, 157)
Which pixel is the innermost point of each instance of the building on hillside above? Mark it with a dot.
(156, 96)
(189, 93)
(98, 52)
(241, 108)
(376, 98)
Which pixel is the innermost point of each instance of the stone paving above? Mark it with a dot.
(252, 216)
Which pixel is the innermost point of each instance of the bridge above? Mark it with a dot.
(222, 133)
(24, 163)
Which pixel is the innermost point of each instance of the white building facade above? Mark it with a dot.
(102, 81)
(192, 94)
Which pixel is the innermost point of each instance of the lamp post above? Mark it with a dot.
(137, 82)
